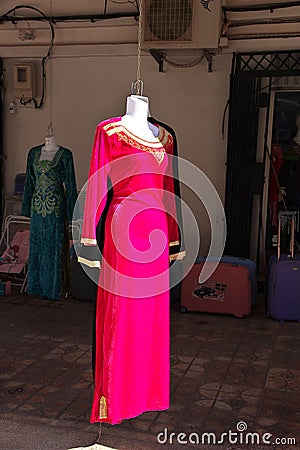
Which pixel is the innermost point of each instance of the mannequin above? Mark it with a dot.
(49, 149)
(49, 198)
(131, 339)
(136, 118)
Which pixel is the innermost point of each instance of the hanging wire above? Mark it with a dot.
(105, 7)
(50, 126)
(120, 2)
(184, 65)
(26, 101)
(137, 86)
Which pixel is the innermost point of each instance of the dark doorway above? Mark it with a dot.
(245, 174)
(284, 173)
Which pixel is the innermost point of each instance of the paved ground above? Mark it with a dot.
(224, 371)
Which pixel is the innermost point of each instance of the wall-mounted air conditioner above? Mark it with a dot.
(181, 24)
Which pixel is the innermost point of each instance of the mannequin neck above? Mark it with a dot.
(50, 144)
(137, 107)
(136, 117)
(49, 149)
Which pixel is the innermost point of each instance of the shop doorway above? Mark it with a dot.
(253, 78)
(282, 168)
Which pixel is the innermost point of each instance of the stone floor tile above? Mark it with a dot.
(285, 358)
(283, 379)
(223, 371)
(246, 374)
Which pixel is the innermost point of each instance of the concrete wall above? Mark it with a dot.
(91, 80)
(87, 90)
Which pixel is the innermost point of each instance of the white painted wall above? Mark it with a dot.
(91, 81)
(87, 90)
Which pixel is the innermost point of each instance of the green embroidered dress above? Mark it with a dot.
(49, 198)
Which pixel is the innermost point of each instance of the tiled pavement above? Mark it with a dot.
(224, 371)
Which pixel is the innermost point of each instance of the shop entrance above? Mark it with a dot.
(252, 82)
(283, 167)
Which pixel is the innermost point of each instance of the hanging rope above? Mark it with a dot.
(50, 126)
(138, 86)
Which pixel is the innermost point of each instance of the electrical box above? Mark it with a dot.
(25, 80)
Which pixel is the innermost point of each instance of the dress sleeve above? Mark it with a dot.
(70, 185)
(29, 186)
(95, 200)
(170, 202)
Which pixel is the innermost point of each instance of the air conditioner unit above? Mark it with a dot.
(181, 24)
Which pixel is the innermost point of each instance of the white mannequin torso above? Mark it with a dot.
(136, 118)
(49, 149)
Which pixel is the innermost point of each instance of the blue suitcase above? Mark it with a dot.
(284, 279)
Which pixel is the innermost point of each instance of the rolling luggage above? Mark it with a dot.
(228, 290)
(249, 264)
(284, 278)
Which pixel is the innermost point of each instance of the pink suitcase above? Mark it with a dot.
(227, 291)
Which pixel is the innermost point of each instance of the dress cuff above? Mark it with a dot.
(90, 256)
(88, 241)
(94, 264)
(177, 256)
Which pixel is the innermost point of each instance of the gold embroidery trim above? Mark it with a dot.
(121, 129)
(88, 241)
(102, 408)
(174, 243)
(165, 137)
(162, 139)
(158, 154)
(156, 148)
(89, 263)
(178, 256)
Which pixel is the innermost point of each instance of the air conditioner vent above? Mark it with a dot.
(181, 24)
(168, 20)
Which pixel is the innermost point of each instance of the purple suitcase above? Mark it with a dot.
(284, 280)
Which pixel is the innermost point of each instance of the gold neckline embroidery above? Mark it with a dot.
(156, 148)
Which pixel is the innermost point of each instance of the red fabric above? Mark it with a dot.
(16, 254)
(132, 318)
(277, 161)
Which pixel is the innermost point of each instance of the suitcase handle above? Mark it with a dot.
(291, 216)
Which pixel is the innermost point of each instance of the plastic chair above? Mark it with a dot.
(14, 243)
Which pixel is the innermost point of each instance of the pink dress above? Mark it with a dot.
(132, 362)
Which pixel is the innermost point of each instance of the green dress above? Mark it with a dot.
(49, 198)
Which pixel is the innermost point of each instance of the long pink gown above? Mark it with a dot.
(132, 366)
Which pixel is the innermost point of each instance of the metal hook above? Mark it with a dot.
(137, 87)
(50, 129)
